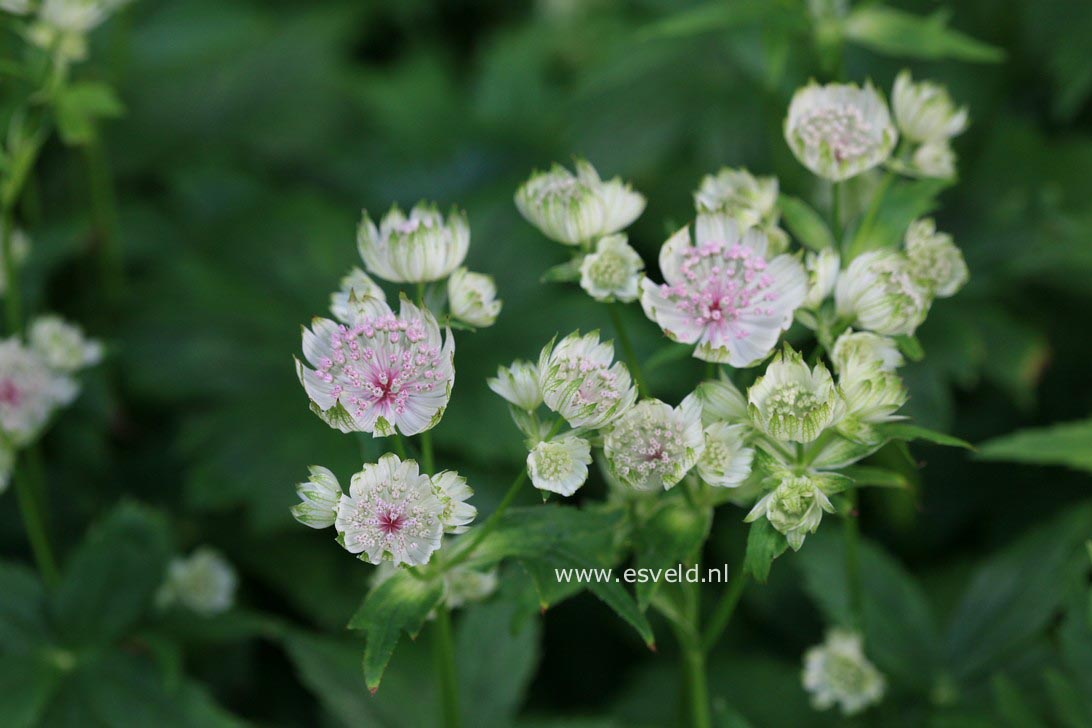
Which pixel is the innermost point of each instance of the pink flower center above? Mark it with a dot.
(10, 394)
(390, 522)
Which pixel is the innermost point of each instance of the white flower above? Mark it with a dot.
(62, 25)
(837, 672)
(750, 200)
(417, 248)
(203, 583)
(560, 465)
(864, 350)
(613, 271)
(20, 249)
(872, 396)
(934, 159)
(464, 584)
(383, 374)
(320, 497)
(795, 507)
(391, 513)
(792, 402)
(878, 292)
(839, 130)
(653, 445)
(518, 384)
(726, 461)
(934, 259)
(348, 303)
(473, 298)
(822, 270)
(30, 391)
(723, 293)
(580, 383)
(576, 209)
(721, 401)
(924, 111)
(62, 345)
(451, 490)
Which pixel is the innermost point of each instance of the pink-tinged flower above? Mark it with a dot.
(30, 392)
(723, 293)
(382, 374)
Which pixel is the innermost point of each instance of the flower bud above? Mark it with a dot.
(451, 490)
(560, 465)
(418, 248)
(822, 268)
(472, 297)
(750, 200)
(203, 583)
(349, 303)
(62, 345)
(934, 259)
(924, 111)
(518, 384)
(878, 292)
(320, 497)
(934, 159)
(795, 507)
(865, 350)
(613, 271)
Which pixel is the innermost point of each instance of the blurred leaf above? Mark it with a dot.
(900, 34)
(80, 105)
(672, 535)
(566, 272)
(717, 16)
(1013, 705)
(26, 684)
(901, 202)
(910, 347)
(908, 432)
(1068, 444)
(806, 225)
(764, 544)
(864, 475)
(22, 610)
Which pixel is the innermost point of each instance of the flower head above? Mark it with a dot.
(382, 374)
(349, 302)
(934, 159)
(613, 271)
(750, 200)
(62, 345)
(723, 293)
(518, 384)
(203, 583)
(924, 111)
(726, 461)
(721, 401)
(795, 507)
(793, 402)
(934, 259)
(654, 445)
(320, 497)
(837, 672)
(560, 465)
(576, 209)
(879, 292)
(473, 298)
(451, 490)
(822, 270)
(30, 391)
(839, 130)
(579, 381)
(391, 513)
(856, 350)
(872, 396)
(418, 248)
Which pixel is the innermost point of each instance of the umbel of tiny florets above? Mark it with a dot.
(418, 248)
(653, 445)
(935, 261)
(723, 293)
(472, 298)
(751, 201)
(204, 583)
(382, 374)
(879, 292)
(577, 209)
(793, 402)
(838, 673)
(560, 465)
(580, 380)
(613, 271)
(839, 130)
(795, 506)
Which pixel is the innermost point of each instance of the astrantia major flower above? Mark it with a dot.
(347, 303)
(822, 270)
(560, 465)
(473, 298)
(839, 130)
(319, 497)
(416, 248)
(518, 384)
(382, 374)
(879, 292)
(451, 490)
(464, 584)
(935, 261)
(872, 397)
(750, 200)
(62, 345)
(723, 293)
(204, 583)
(726, 461)
(855, 350)
(30, 391)
(581, 381)
(792, 402)
(795, 507)
(576, 209)
(654, 445)
(837, 672)
(391, 513)
(934, 159)
(924, 111)
(613, 271)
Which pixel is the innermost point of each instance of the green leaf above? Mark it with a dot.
(908, 432)
(1068, 444)
(26, 684)
(667, 354)
(672, 535)
(399, 604)
(764, 544)
(111, 578)
(910, 347)
(901, 202)
(22, 610)
(897, 33)
(80, 105)
(806, 225)
(1012, 704)
(567, 272)
(864, 475)
(716, 17)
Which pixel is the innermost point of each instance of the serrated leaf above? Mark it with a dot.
(903, 35)
(399, 604)
(805, 224)
(1068, 444)
(764, 544)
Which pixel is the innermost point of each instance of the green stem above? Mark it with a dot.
(725, 608)
(853, 562)
(445, 667)
(399, 445)
(104, 217)
(426, 451)
(627, 348)
(694, 679)
(710, 370)
(836, 211)
(12, 301)
(32, 521)
(490, 524)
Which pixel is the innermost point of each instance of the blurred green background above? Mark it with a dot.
(256, 131)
